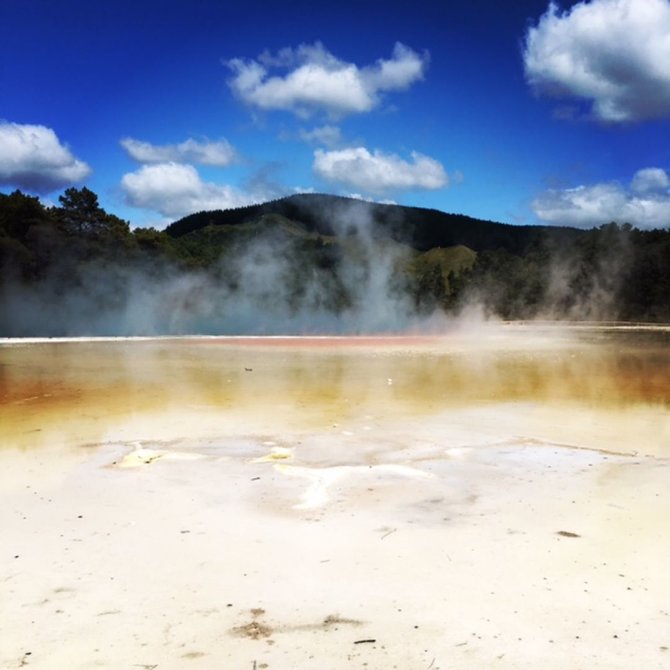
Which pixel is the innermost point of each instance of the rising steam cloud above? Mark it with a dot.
(354, 278)
(261, 287)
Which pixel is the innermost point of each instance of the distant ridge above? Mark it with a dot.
(316, 262)
(421, 228)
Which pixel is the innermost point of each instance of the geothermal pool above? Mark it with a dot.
(491, 498)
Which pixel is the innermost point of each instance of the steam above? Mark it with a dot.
(596, 301)
(580, 281)
(272, 282)
(263, 286)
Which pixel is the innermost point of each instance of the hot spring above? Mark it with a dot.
(488, 498)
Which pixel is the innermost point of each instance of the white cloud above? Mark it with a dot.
(612, 52)
(317, 80)
(651, 180)
(327, 136)
(367, 198)
(175, 190)
(219, 153)
(33, 158)
(377, 172)
(645, 204)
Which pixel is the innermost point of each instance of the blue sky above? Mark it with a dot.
(522, 111)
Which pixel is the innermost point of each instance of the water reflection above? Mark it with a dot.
(201, 386)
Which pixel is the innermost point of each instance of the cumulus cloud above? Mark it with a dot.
(318, 81)
(377, 172)
(651, 181)
(175, 190)
(614, 53)
(219, 153)
(645, 203)
(33, 158)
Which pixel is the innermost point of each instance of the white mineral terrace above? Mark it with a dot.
(484, 500)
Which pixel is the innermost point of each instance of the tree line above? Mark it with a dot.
(613, 272)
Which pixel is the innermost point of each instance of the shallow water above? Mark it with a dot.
(487, 499)
(606, 389)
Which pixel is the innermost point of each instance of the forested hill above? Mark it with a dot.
(310, 264)
(419, 228)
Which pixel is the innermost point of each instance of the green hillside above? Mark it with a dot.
(420, 228)
(310, 263)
